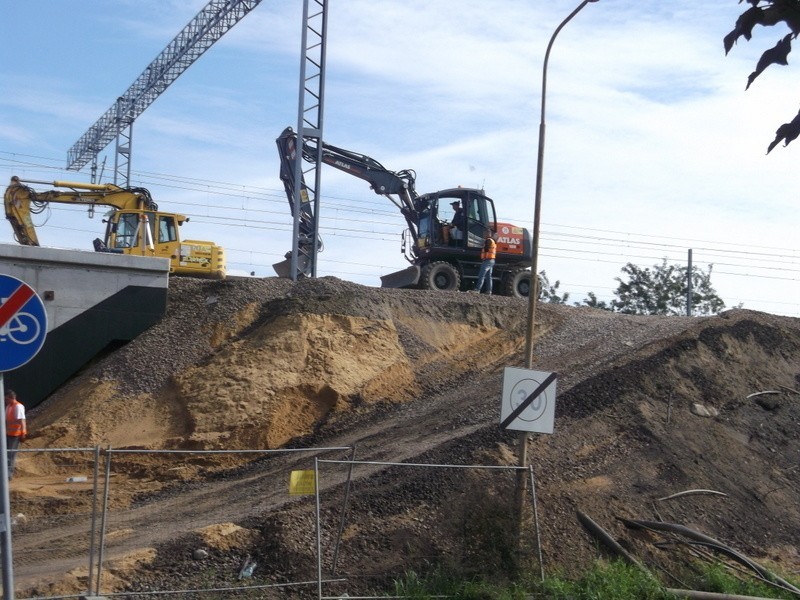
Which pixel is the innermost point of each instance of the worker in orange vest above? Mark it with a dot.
(16, 430)
(487, 256)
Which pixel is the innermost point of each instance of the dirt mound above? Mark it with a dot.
(647, 407)
(256, 363)
(689, 415)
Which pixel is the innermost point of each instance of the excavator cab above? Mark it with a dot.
(153, 233)
(145, 232)
(440, 228)
(122, 231)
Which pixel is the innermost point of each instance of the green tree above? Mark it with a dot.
(548, 292)
(662, 290)
(768, 13)
(593, 302)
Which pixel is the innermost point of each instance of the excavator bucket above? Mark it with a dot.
(408, 277)
(284, 268)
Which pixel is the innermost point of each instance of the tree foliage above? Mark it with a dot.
(767, 13)
(548, 292)
(593, 302)
(661, 290)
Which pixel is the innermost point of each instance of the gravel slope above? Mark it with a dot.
(627, 425)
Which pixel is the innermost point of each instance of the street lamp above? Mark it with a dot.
(533, 294)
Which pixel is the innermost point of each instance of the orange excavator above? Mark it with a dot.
(443, 249)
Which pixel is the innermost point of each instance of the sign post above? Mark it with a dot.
(23, 328)
(528, 405)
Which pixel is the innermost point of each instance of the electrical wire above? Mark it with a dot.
(553, 251)
(588, 242)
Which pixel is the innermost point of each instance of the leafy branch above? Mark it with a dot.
(768, 13)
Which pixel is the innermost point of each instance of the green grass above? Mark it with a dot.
(614, 581)
(718, 579)
(438, 584)
(605, 581)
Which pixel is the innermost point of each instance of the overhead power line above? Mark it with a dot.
(252, 207)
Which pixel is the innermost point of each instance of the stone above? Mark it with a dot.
(200, 554)
(701, 410)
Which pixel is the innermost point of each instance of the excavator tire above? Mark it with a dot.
(440, 276)
(517, 283)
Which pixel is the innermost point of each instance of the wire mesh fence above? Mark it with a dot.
(53, 517)
(94, 521)
(419, 519)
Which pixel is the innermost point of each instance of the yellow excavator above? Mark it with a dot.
(134, 225)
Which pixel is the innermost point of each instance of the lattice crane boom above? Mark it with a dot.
(208, 26)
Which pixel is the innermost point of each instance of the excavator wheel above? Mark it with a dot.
(440, 276)
(518, 284)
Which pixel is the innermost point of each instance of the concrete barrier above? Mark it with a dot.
(94, 301)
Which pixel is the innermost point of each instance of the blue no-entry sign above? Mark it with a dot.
(23, 323)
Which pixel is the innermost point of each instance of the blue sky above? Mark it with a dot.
(653, 147)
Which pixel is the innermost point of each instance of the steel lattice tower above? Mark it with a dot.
(209, 25)
(309, 128)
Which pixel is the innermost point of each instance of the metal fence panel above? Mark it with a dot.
(96, 513)
(54, 509)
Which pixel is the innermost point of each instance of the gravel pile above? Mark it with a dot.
(203, 315)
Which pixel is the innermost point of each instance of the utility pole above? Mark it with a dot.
(311, 105)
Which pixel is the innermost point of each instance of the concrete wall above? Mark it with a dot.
(94, 301)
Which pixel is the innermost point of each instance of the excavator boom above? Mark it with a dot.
(398, 186)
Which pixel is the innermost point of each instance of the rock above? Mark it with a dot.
(701, 410)
(199, 554)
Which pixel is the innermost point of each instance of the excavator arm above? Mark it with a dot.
(287, 150)
(22, 201)
(397, 186)
(381, 180)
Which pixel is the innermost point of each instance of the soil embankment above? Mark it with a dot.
(647, 407)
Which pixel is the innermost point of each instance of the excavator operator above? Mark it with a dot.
(458, 225)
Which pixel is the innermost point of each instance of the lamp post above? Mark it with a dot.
(533, 294)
